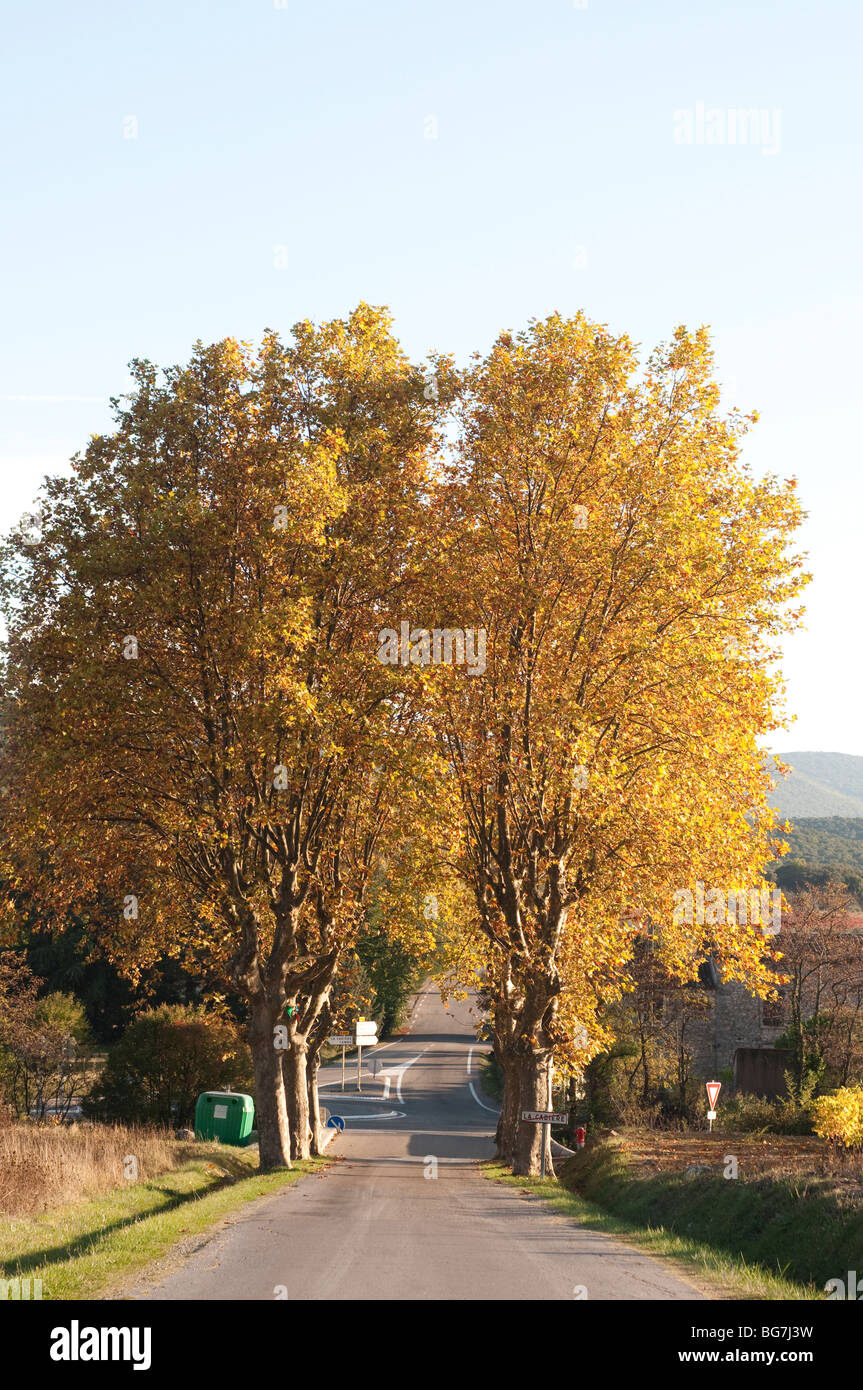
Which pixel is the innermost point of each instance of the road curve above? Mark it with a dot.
(378, 1225)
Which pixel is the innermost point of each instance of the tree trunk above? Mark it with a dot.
(570, 1106)
(797, 1033)
(297, 1094)
(507, 1124)
(271, 1115)
(533, 1069)
(312, 1063)
(645, 1090)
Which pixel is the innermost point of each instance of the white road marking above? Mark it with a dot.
(386, 1091)
(469, 1060)
(482, 1102)
(400, 1071)
(331, 1066)
(350, 1095)
(390, 1115)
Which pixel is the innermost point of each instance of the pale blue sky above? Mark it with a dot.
(554, 183)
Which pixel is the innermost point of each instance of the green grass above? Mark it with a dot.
(717, 1272)
(796, 1227)
(91, 1248)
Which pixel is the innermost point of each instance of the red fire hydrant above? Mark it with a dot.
(579, 1137)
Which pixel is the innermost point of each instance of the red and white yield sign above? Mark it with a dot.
(713, 1089)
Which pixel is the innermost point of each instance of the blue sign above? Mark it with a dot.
(336, 1122)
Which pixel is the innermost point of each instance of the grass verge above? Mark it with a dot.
(43, 1167)
(89, 1249)
(716, 1272)
(797, 1226)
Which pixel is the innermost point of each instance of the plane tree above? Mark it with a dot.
(632, 578)
(196, 727)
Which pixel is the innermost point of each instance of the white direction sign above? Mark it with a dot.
(365, 1028)
(544, 1117)
(341, 1040)
(363, 1041)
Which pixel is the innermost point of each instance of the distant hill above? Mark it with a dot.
(821, 785)
(833, 842)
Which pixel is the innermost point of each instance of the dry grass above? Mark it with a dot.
(795, 1210)
(777, 1156)
(93, 1249)
(46, 1166)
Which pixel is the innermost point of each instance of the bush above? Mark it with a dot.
(790, 1115)
(839, 1117)
(748, 1114)
(163, 1061)
(43, 1057)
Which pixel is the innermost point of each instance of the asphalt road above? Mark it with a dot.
(378, 1225)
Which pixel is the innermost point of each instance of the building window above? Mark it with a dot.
(772, 1013)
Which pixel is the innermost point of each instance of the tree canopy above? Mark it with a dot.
(206, 726)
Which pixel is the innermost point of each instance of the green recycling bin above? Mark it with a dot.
(227, 1116)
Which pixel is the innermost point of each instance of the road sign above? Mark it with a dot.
(336, 1122)
(341, 1040)
(544, 1117)
(365, 1035)
(713, 1089)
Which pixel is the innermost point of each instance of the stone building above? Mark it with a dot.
(736, 1020)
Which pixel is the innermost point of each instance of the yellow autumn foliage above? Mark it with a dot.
(839, 1117)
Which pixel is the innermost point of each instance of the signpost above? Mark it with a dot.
(341, 1040)
(546, 1118)
(365, 1035)
(713, 1089)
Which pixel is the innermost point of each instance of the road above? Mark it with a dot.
(378, 1225)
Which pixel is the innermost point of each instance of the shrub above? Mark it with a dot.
(839, 1117)
(163, 1061)
(43, 1056)
(749, 1114)
(790, 1115)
